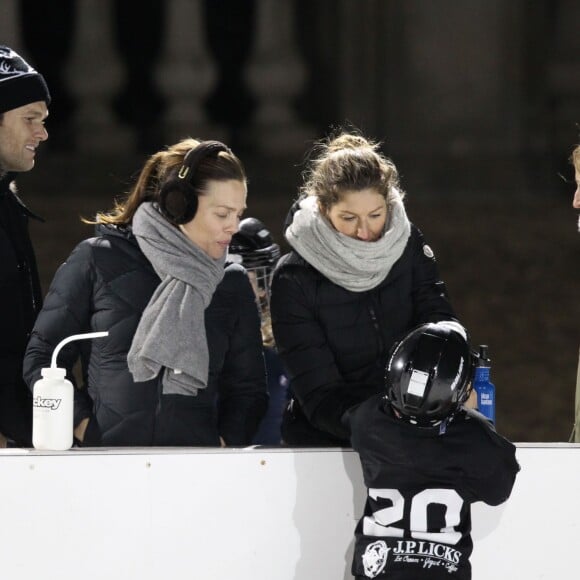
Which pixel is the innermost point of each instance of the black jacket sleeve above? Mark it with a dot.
(243, 395)
(66, 311)
(302, 343)
(430, 300)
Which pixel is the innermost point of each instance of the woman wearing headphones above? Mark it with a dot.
(183, 362)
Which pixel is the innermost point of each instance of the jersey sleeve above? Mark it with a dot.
(499, 466)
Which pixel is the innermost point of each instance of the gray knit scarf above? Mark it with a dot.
(353, 264)
(171, 333)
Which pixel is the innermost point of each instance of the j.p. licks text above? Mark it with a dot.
(429, 554)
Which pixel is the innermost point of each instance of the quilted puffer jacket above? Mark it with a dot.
(334, 342)
(105, 284)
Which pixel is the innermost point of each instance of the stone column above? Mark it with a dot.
(360, 51)
(94, 77)
(9, 29)
(276, 77)
(563, 80)
(186, 74)
(452, 88)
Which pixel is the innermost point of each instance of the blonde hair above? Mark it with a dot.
(266, 328)
(575, 158)
(348, 162)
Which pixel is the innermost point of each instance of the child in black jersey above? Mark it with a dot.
(253, 247)
(425, 460)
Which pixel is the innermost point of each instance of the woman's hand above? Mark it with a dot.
(471, 402)
(80, 429)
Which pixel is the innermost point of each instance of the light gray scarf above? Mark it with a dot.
(171, 332)
(353, 264)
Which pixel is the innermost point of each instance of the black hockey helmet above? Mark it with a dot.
(253, 243)
(253, 247)
(428, 373)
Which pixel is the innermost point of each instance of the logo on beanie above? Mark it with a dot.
(20, 84)
(12, 65)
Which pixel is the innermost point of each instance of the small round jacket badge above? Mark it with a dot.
(428, 251)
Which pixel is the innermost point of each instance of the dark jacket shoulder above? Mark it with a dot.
(235, 276)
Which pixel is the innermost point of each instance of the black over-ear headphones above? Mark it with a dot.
(177, 198)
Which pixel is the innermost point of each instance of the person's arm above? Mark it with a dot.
(497, 488)
(575, 437)
(243, 395)
(66, 311)
(430, 300)
(498, 462)
(303, 346)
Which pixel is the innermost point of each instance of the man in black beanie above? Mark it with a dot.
(24, 99)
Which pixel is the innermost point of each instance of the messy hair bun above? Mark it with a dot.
(348, 161)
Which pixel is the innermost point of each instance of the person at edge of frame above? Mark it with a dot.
(24, 101)
(575, 159)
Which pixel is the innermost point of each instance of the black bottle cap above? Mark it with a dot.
(483, 359)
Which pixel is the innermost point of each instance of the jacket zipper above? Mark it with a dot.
(376, 326)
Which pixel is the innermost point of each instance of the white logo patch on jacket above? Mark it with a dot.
(428, 251)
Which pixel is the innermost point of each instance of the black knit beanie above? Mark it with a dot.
(20, 84)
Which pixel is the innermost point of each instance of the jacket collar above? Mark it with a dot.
(125, 232)
(8, 190)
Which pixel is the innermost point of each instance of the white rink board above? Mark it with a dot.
(255, 514)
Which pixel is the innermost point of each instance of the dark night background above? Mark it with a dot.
(476, 101)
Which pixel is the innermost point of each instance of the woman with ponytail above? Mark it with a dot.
(359, 276)
(182, 364)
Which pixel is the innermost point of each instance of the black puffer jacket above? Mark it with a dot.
(105, 285)
(335, 342)
(20, 302)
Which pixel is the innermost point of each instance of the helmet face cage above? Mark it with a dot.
(429, 372)
(252, 247)
(260, 278)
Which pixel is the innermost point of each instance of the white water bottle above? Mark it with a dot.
(53, 403)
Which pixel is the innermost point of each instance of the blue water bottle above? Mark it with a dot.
(483, 387)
